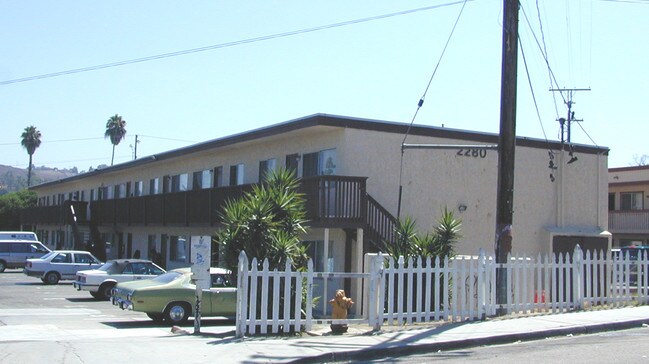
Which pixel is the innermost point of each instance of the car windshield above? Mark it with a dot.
(48, 255)
(168, 277)
(106, 266)
(634, 252)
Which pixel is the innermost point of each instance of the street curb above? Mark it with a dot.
(408, 349)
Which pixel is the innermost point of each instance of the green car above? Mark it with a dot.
(171, 296)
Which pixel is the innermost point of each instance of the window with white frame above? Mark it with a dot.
(154, 186)
(320, 163)
(265, 167)
(236, 174)
(179, 182)
(218, 177)
(202, 179)
(138, 188)
(120, 190)
(291, 162)
(327, 162)
(104, 193)
(631, 201)
(178, 248)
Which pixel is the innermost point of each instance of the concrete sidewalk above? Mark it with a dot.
(361, 343)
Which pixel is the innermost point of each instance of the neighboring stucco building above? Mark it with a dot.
(628, 198)
(351, 170)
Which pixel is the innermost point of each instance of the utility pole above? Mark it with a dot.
(135, 148)
(571, 114)
(506, 147)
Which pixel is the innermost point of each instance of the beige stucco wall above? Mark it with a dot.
(431, 178)
(634, 179)
(629, 174)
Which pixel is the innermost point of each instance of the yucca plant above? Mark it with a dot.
(438, 243)
(266, 223)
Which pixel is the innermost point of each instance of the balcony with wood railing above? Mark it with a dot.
(628, 221)
(330, 201)
(67, 213)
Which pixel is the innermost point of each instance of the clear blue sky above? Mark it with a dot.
(374, 69)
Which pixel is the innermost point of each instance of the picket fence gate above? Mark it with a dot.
(402, 291)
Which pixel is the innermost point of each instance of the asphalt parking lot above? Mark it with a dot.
(33, 311)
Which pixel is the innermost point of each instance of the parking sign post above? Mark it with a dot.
(201, 259)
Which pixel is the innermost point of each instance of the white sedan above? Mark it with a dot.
(60, 264)
(100, 282)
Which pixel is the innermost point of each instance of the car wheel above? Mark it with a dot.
(95, 295)
(3, 266)
(177, 313)
(52, 278)
(105, 290)
(156, 317)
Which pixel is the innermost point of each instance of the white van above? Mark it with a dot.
(18, 235)
(14, 252)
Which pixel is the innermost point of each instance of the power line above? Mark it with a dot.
(421, 103)
(544, 51)
(57, 141)
(643, 2)
(98, 159)
(225, 45)
(171, 139)
(553, 79)
(529, 81)
(97, 138)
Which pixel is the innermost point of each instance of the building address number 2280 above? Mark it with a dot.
(472, 152)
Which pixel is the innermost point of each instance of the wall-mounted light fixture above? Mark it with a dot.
(462, 207)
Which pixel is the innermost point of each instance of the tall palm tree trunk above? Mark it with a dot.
(29, 171)
(113, 157)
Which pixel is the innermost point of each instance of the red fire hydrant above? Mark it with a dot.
(340, 306)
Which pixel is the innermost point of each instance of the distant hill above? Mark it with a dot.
(15, 179)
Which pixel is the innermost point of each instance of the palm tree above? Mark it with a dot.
(31, 139)
(115, 130)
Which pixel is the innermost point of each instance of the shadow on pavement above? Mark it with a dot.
(86, 299)
(189, 325)
(135, 324)
(12, 271)
(34, 283)
(38, 282)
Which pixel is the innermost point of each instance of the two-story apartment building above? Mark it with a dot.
(352, 172)
(628, 202)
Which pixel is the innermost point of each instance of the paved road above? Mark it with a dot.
(32, 311)
(57, 324)
(625, 346)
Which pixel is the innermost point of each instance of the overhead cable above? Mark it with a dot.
(224, 45)
(421, 103)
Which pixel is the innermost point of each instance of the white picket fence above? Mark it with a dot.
(404, 291)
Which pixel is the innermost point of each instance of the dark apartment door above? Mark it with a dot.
(129, 245)
(120, 246)
(163, 251)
